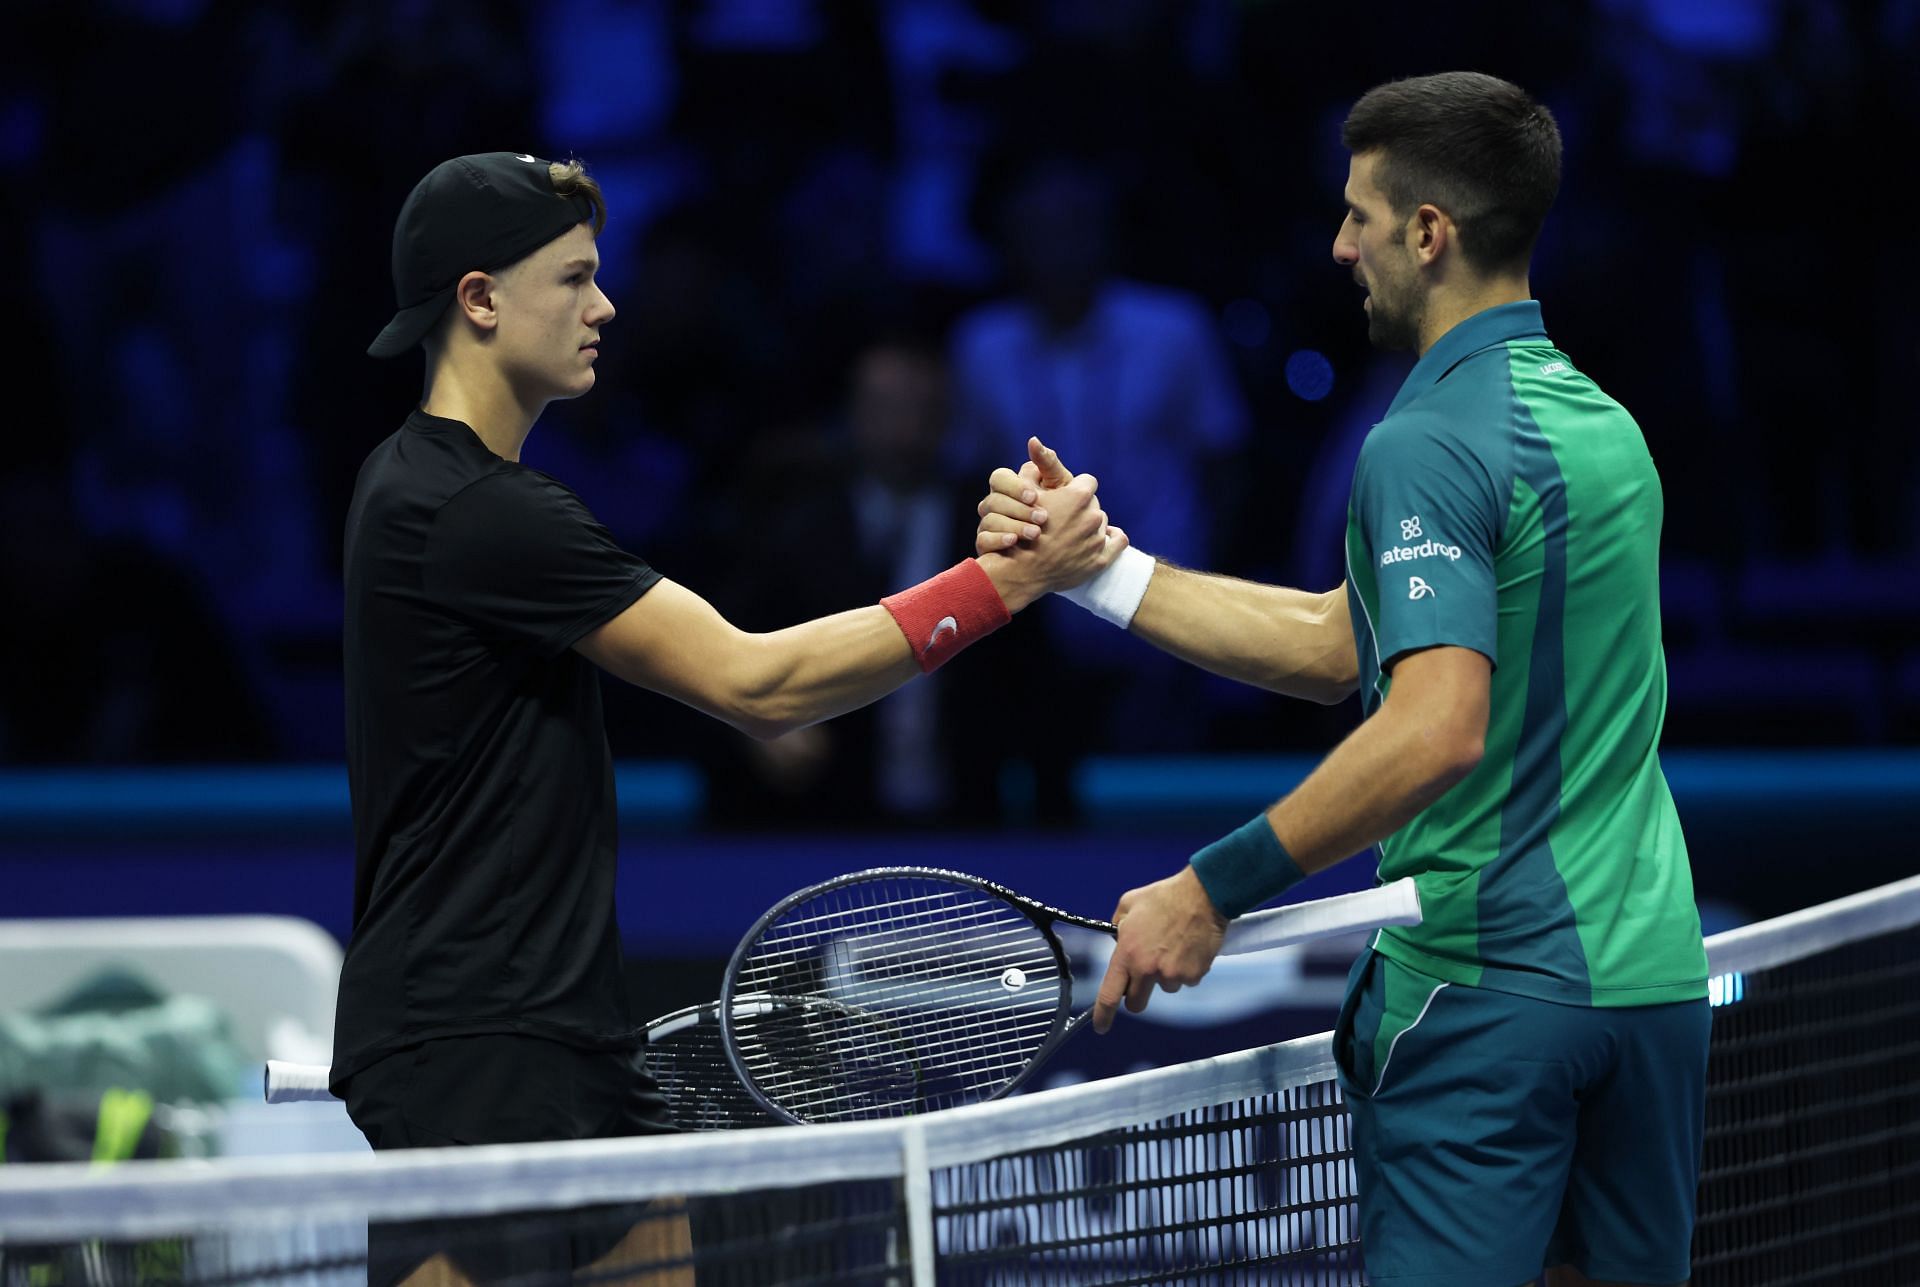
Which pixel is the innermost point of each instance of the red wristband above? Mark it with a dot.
(944, 614)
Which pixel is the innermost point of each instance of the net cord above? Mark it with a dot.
(143, 1199)
(1815, 929)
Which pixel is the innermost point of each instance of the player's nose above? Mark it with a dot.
(601, 311)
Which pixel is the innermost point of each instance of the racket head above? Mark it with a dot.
(687, 1059)
(901, 990)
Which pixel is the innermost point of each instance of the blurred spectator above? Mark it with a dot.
(835, 519)
(199, 197)
(112, 652)
(1127, 381)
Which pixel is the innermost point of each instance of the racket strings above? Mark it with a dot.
(938, 903)
(803, 1090)
(987, 949)
(978, 970)
(688, 1061)
(955, 985)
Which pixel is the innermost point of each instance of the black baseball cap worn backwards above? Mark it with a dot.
(471, 214)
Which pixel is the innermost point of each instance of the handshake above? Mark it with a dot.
(1042, 530)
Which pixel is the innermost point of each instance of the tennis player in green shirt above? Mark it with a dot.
(1526, 1067)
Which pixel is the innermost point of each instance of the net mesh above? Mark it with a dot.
(1257, 1191)
(1236, 1170)
(801, 1237)
(1810, 1171)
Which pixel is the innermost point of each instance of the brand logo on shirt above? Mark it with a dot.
(1418, 589)
(1410, 528)
(1424, 550)
(945, 626)
(1554, 368)
(522, 156)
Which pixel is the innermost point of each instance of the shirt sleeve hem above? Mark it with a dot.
(601, 613)
(1483, 647)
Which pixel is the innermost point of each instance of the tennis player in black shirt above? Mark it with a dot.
(482, 999)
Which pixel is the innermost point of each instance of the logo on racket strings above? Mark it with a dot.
(1013, 979)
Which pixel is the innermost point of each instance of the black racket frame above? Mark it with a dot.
(1043, 916)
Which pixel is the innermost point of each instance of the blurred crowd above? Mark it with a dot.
(860, 251)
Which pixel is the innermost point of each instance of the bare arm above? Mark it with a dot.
(1427, 736)
(674, 642)
(1286, 641)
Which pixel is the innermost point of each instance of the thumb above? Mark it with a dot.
(1052, 472)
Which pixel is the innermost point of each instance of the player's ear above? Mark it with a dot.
(1429, 233)
(474, 298)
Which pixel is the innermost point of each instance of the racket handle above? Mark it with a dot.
(1394, 904)
(289, 1083)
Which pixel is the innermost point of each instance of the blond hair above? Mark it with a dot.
(570, 178)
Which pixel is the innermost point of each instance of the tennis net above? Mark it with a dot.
(1234, 1170)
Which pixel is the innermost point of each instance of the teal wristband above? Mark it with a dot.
(1246, 867)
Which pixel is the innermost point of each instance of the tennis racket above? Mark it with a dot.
(910, 989)
(684, 1054)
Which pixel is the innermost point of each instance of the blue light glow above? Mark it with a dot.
(1725, 989)
(1310, 375)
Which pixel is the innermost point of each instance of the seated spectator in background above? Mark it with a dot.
(873, 484)
(1090, 360)
(1134, 370)
(116, 654)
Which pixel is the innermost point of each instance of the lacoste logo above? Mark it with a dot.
(946, 626)
(1410, 528)
(1554, 368)
(1418, 589)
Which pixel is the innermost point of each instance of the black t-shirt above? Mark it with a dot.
(483, 805)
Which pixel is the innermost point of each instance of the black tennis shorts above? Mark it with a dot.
(502, 1089)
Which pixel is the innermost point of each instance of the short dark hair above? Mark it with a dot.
(1476, 146)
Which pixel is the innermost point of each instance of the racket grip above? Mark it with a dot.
(288, 1083)
(1397, 903)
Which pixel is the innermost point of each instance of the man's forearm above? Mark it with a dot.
(820, 669)
(826, 667)
(1286, 641)
(1373, 783)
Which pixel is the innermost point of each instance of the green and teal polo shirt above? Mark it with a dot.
(1507, 505)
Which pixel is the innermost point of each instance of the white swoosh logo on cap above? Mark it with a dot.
(947, 626)
(530, 160)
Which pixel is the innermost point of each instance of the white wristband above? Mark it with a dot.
(1115, 594)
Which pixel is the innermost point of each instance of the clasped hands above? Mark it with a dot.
(1169, 931)
(1048, 521)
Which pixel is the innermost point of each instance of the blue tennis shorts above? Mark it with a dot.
(1495, 1134)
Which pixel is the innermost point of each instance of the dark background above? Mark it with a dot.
(815, 208)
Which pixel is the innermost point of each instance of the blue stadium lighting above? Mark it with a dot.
(1310, 375)
(1725, 989)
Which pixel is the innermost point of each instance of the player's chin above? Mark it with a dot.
(578, 383)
